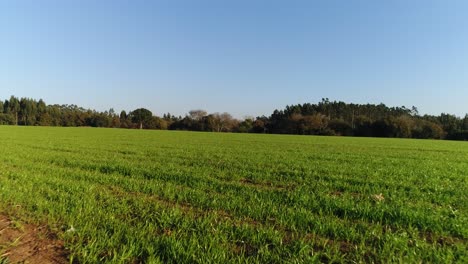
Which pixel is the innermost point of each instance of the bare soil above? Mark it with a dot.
(26, 243)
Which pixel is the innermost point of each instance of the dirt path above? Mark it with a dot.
(25, 243)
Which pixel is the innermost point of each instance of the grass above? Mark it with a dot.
(128, 196)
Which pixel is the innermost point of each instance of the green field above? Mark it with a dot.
(185, 197)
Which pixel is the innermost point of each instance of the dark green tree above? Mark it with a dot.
(465, 123)
(14, 107)
(140, 116)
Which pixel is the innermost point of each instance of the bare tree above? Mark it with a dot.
(221, 122)
(197, 114)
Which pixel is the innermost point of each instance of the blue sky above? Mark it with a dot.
(245, 57)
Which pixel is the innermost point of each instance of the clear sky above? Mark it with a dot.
(246, 57)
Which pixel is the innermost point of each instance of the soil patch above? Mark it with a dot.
(25, 243)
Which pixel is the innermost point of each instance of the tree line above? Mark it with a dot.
(323, 118)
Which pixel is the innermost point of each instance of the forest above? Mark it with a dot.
(323, 118)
